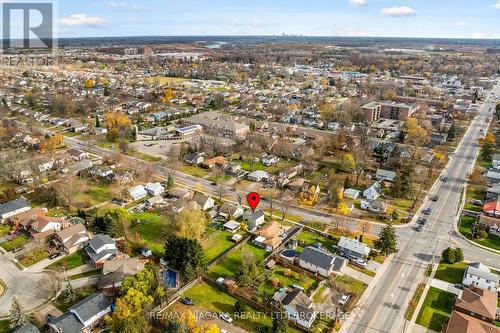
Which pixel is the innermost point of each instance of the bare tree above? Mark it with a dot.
(221, 191)
(49, 286)
(67, 188)
(285, 203)
(365, 227)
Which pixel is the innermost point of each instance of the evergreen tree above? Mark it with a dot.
(69, 294)
(452, 131)
(487, 151)
(170, 182)
(239, 307)
(280, 319)
(387, 242)
(97, 122)
(17, 316)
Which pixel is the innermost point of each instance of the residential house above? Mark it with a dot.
(137, 192)
(462, 323)
(115, 271)
(290, 172)
(84, 316)
(478, 303)
(270, 236)
(77, 154)
(375, 206)
(386, 175)
(297, 305)
(205, 202)
(12, 208)
(320, 262)
(477, 274)
(231, 226)
(492, 177)
(352, 248)
(492, 224)
(154, 189)
(228, 210)
(194, 159)
(351, 193)
(41, 227)
(492, 207)
(373, 192)
(79, 167)
(102, 248)
(258, 175)
(18, 220)
(181, 193)
(218, 161)
(496, 161)
(254, 219)
(269, 160)
(73, 238)
(29, 328)
(153, 201)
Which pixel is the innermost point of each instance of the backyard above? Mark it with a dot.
(152, 230)
(436, 309)
(81, 293)
(95, 194)
(194, 171)
(293, 279)
(231, 263)
(217, 244)
(311, 239)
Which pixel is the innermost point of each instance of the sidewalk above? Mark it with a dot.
(443, 285)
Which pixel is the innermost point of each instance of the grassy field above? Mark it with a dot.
(350, 285)
(212, 299)
(166, 80)
(217, 244)
(95, 194)
(33, 256)
(465, 228)
(294, 279)
(153, 229)
(71, 261)
(231, 263)
(274, 169)
(194, 171)
(86, 274)
(19, 241)
(452, 273)
(6, 185)
(475, 193)
(435, 309)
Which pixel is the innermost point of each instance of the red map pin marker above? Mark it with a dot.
(253, 200)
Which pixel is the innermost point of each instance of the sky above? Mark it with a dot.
(377, 18)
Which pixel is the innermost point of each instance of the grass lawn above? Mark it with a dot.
(414, 301)
(33, 256)
(465, 228)
(472, 207)
(294, 278)
(352, 286)
(165, 80)
(95, 194)
(86, 274)
(19, 241)
(153, 229)
(217, 244)
(6, 185)
(436, 309)
(71, 261)
(402, 204)
(311, 239)
(72, 134)
(363, 270)
(475, 193)
(274, 169)
(81, 293)
(212, 299)
(194, 171)
(114, 146)
(231, 263)
(4, 229)
(452, 273)
(4, 326)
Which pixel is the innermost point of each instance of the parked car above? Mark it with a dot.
(55, 255)
(435, 198)
(444, 179)
(187, 301)
(343, 300)
(427, 211)
(459, 286)
(478, 203)
(226, 317)
(49, 317)
(422, 220)
(359, 262)
(419, 228)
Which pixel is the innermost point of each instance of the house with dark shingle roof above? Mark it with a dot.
(84, 315)
(297, 305)
(12, 208)
(320, 262)
(30, 328)
(102, 248)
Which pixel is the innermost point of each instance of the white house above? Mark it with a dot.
(269, 160)
(320, 262)
(101, 248)
(496, 161)
(297, 305)
(353, 248)
(137, 192)
(351, 193)
(258, 175)
(254, 219)
(154, 189)
(480, 275)
(386, 175)
(228, 210)
(231, 226)
(204, 201)
(372, 192)
(12, 208)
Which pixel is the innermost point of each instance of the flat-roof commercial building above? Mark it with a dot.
(388, 110)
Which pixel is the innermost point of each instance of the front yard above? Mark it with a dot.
(17, 241)
(465, 228)
(81, 293)
(452, 273)
(33, 256)
(69, 262)
(194, 171)
(436, 309)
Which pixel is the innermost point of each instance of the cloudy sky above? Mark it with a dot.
(392, 18)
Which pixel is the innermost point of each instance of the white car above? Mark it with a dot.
(224, 331)
(344, 299)
(226, 317)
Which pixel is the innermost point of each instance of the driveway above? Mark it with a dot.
(349, 271)
(20, 284)
(39, 266)
(443, 285)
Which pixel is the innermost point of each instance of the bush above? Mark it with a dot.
(482, 234)
(459, 255)
(448, 256)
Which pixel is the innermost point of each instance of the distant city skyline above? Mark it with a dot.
(373, 18)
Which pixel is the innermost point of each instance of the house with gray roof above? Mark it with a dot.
(30, 328)
(12, 208)
(101, 248)
(478, 274)
(83, 316)
(320, 262)
(373, 192)
(297, 305)
(386, 175)
(352, 248)
(115, 271)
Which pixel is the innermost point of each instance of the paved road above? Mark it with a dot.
(384, 308)
(19, 284)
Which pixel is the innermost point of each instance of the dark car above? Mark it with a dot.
(459, 286)
(49, 317)
(435, 197)
(55, 255)
(444, 179)
(427, 211)
(419, 228)
(187, 301)
(422, 221)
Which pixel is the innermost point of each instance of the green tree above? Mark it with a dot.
(239, 307)
(97, 122)
(387, 242)
(17, 315)
(69, 294)
(459, 255)
(280, 319)
(180, 252)
(403, 184)
(487, 151)
(448, 256)
(170, 183)
(452, 131)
